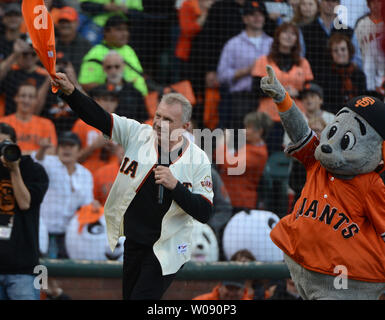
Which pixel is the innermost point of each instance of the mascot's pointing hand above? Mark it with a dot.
(272, 87)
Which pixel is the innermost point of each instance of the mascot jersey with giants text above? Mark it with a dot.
(338, 223)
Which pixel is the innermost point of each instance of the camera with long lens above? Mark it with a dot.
(10, 151)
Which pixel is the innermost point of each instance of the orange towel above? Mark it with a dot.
(41, 31)
(88, 214)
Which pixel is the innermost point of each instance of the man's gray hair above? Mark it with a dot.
(174, 98)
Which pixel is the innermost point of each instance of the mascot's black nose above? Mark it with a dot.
(326, 148)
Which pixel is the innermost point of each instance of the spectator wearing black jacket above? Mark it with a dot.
(68, 37)
(341, 79)
(23, 184)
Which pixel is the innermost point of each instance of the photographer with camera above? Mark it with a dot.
(23, 184)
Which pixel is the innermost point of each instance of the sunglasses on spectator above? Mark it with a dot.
(115, 66)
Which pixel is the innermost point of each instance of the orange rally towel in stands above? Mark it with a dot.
(88, 214)
(41, 31)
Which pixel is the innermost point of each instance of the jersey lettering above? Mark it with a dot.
(131, 168)
(327, 215)
(124, 163)
(312, 208)
(350, 230)
(300, 211)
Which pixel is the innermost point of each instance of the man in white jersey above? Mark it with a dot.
(369, 32)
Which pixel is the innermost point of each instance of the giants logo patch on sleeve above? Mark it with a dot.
(207, 184)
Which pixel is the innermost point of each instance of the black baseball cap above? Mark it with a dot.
(252, 6)
(116, 20)
(68, 137)
(371, 109)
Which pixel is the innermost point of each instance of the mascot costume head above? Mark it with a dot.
(354, 142)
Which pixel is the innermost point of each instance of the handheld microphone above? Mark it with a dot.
(160, 193)
(164, 161)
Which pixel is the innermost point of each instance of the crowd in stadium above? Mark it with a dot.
(126, 54)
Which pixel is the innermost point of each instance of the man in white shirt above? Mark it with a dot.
(70, 187)
(369, 31)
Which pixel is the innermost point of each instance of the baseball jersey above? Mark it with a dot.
(335, 222)
(191, 198)
(369, 33)
(31, 132)
(192, 168)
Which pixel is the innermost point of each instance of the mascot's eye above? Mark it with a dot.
(348, 141)
(332, 132)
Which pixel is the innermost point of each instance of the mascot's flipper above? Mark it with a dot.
(292, 118)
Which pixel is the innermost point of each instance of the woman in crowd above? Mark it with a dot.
(342, 80)
(292, 70)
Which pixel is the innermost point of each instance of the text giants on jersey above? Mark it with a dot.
(329, 217)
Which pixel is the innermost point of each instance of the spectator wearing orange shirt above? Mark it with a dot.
(192, 15)
(292, 70)
(30, 129)
(105, 176)
(252, 156)
(96, 150)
